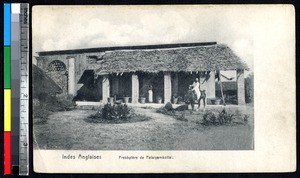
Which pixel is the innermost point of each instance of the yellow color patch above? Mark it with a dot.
(7, 109)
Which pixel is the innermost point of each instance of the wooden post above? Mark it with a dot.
(240, 87)
(71, 77)
(211, 86)
(167, 87)
(105, 89)
(221, 87)
(134, 88)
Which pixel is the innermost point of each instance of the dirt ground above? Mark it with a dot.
(69, 130)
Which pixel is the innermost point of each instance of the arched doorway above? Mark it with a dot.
(57, 70)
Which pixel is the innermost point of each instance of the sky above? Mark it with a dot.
(73, 27)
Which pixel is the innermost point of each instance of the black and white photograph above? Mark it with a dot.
(152, 84)
(144, 78)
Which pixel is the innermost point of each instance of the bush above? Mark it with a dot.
(209, 118)
(65, 102)
(46, 104)
(224, 118)
(114, 112)
(54, 103)
(40, 115)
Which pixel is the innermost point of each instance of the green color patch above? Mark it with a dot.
(7, 68)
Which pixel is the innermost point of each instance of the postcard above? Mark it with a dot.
(164, 88)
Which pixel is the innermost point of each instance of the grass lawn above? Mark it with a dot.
(71, 130)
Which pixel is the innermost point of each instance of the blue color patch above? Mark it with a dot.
(7, 16)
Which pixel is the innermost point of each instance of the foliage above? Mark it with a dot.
(249, 88)
(57, 103)
(40, 115)
(43, 84)
(209, 118)
(114, 112)
(47, 104)
(224, 118)
(65, 102)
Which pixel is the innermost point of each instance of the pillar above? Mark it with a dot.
(40, 62)
(240, 87)
(71, 77)
(105, 89)
(167, 87)
(175, 84)
(134, 88)
(211, 86)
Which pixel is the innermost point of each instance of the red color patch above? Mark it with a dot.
(7, 152)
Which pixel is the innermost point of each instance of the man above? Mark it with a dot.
(196, 87)
(201, 95)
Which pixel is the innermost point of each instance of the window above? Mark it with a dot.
(56, 66)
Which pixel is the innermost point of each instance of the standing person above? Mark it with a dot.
(150, 94)
(196, 89)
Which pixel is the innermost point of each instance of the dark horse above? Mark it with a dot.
(191, 98)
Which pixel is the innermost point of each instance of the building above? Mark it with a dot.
(96, 74)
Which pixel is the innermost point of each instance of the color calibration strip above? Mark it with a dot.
(24, 91)
(7, 89)
(15, 85)
(16, 93)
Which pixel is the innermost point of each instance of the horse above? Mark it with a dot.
(191, 98)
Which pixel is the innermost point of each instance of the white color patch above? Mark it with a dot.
(15, 8)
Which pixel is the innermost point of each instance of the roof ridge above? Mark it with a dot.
(165, 49)
(113, 48)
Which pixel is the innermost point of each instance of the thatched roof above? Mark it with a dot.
(42, 83)
(186, 59)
